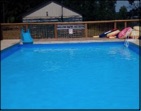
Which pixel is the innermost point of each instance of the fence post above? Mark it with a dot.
(55, 30)
(115, 25)
(125, 24)
(86, 30)
(26, 26)
(1, 35)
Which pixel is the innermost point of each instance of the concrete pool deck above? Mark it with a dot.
(9, 42)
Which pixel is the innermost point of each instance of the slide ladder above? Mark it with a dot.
(126, 42)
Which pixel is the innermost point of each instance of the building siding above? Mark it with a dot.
(54, 10)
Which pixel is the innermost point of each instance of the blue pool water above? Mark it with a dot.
(74, 76)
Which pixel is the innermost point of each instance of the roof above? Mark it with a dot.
(42, 5)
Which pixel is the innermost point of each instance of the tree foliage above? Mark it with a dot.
(122, 13)
(106, 10)
(131, 1)
(136, 8)
(90, 9)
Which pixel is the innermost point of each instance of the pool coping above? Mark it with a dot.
(8, 43)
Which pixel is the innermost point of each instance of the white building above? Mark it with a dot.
(51, 12)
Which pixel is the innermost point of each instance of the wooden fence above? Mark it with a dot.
(64, 29)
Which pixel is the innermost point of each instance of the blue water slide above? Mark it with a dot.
(26, 37)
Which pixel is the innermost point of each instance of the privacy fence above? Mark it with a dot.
(64, 29)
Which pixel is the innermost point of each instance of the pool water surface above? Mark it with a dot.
(70, 76)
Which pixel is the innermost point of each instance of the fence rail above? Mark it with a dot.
(64, 29)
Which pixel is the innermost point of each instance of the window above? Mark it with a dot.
(46, 13)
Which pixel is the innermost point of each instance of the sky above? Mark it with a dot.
(125, 3)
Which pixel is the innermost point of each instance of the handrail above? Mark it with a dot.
(83, 22)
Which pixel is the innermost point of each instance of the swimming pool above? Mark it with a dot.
(70, 76)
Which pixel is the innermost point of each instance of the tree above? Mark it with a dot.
(90, 9)
(131, 1)
(122, 13)
(13, 8)
(135, 8)
(106, 10)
